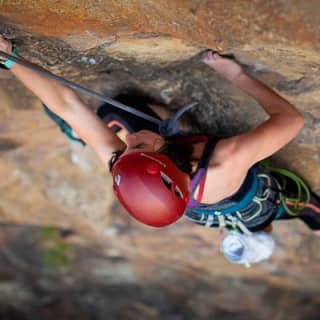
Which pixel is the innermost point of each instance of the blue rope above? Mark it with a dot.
(79, 88)
(168, 127)
(171, 127)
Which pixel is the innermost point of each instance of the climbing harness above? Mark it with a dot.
(251, 209)
(242, 244)
(167, 127)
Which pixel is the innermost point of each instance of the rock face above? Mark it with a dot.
(118, 269)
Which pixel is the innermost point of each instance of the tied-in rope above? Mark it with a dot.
(302, 188)
(171, 126)
(167, 127)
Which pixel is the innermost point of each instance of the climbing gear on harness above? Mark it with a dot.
(251, 208)
(7, 64)
(167, 126)
(285, 200)
(247, 248)
(304, 205)
(150, 186)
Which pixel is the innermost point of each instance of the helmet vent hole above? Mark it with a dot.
(117, 179)
(178, 192)
(166, 180)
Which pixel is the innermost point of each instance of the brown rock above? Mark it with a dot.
(119, 269)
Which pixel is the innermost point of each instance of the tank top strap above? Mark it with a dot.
(198, 178)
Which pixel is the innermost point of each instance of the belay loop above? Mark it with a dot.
(167, 128)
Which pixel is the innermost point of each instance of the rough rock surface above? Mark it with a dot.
(117, 269)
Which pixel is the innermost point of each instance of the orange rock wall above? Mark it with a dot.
(152, 46)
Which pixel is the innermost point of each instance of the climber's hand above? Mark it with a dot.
(5, 46)
(228, 68)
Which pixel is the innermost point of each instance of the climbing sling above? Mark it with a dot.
(298, 202)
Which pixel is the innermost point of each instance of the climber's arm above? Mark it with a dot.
(49, 91)
(69, 106)
(283, 125)
(284, 122)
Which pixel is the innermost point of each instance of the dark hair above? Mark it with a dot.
(180, 154)
(114, 158)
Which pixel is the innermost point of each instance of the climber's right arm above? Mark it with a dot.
(68, 105)
(90, 127)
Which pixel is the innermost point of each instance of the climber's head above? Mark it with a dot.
(147, 181)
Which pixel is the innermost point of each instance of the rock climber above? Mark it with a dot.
(215, 182)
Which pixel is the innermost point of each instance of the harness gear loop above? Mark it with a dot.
(222, 222)
(209, 222)
(258, 200)
(236, 223)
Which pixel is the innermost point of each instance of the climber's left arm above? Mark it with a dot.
(283, 125)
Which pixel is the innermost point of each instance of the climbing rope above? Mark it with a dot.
(171, 127)
(166, 127)
(302, 189)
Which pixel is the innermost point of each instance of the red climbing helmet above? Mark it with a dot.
(151, 187)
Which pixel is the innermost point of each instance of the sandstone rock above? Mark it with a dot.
(120, 269)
